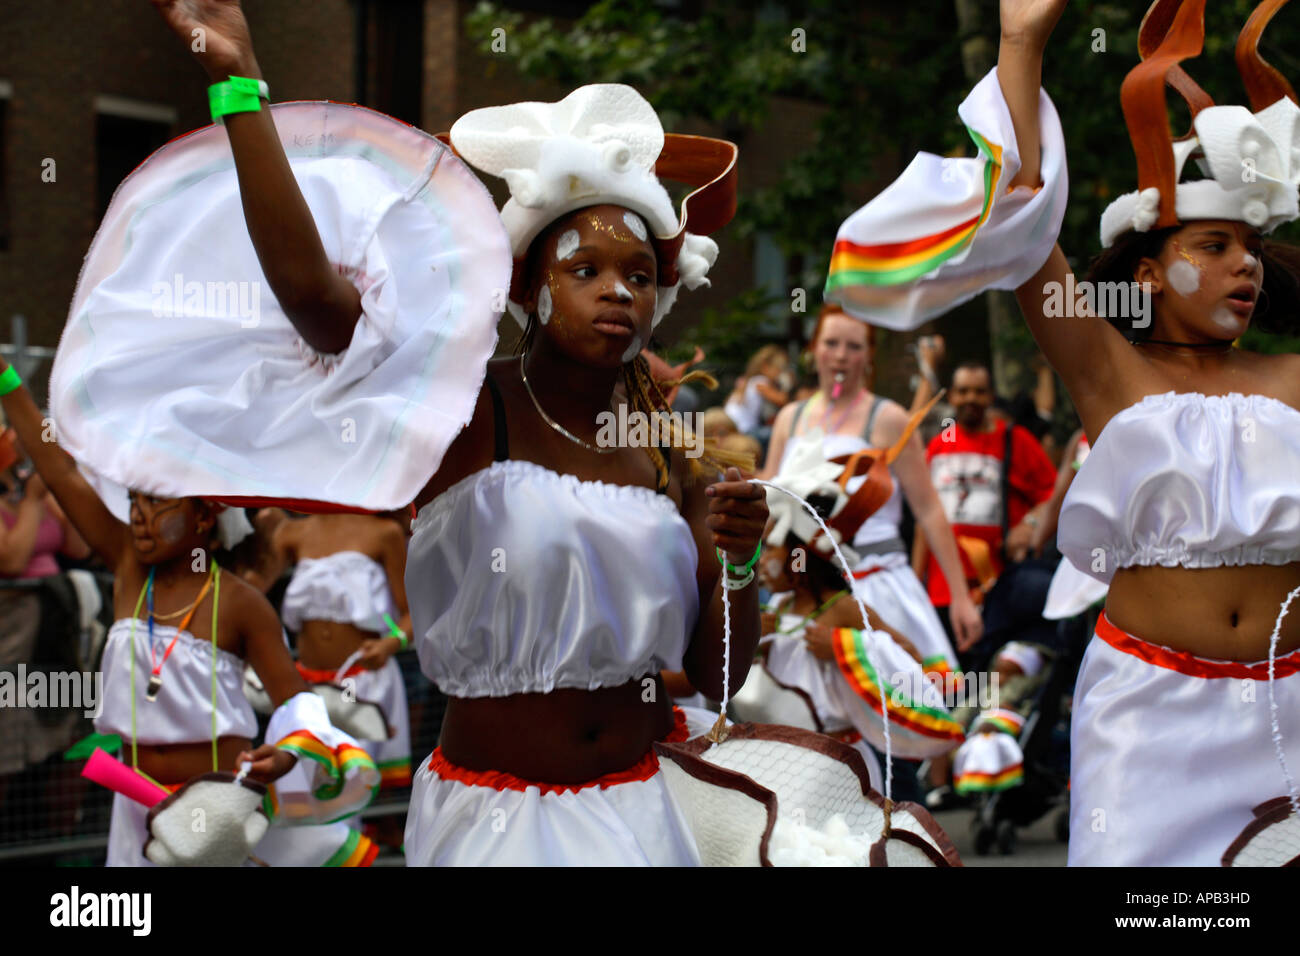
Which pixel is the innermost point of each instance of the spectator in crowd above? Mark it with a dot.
(758, 394)
(33, 530)
(716, 424)
(994, 482)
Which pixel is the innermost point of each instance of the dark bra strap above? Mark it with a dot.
(500, 439)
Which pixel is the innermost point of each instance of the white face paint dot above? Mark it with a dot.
(544, 305)
(567, 244)
(633, 348)
(1184, 277)
(1226, 319)
(633, 222)
(1251, 262)
(622, 291)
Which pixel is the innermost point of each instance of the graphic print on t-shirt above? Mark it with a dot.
(969, 486)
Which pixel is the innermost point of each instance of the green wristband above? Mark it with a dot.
(731, 568)
(239, 94)
(397, 632)
(9, 380)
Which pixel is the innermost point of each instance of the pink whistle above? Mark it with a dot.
(118, 777)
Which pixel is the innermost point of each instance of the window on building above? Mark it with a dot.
(399, 58)
(126, 132)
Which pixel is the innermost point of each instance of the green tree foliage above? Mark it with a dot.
(890, 78)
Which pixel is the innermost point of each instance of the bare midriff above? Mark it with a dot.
(1223, 613)
(323, 645)
(566, 736)
(176, 763)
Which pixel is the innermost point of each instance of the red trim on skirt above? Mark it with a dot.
(1190, 664)
(643, 769)
(313, 676)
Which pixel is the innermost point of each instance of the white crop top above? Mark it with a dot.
(1187, 480)
(182, 712)
(346, 586)
(523, 580)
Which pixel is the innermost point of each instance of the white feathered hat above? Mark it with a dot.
(603, 143)
(1251, 160)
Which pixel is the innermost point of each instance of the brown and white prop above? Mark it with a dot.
(781, 796)
(739, 785)
(213, 820)
(355, 716)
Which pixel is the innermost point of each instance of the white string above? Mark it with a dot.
(352, 659)
(726, 644)
(866, 624)
(1272, 705)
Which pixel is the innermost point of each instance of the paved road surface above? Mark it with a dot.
(1036, 845)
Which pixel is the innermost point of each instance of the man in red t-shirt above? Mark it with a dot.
(966, 469)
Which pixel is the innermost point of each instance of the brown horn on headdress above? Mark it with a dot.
(709, 165)
(1155, 26)
(1264, 84)
(1143, 98)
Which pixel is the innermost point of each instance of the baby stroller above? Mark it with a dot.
(1044, 740)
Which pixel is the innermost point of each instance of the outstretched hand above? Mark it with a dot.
(216, 33)
(1030, 21)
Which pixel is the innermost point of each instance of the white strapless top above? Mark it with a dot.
(347, 586)
(1187, 480)
(182, 713)
(522, 580)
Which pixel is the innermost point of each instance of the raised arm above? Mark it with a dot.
(322, 305)
(1086, 351)
(88, 514)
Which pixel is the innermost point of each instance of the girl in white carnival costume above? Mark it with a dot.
(1184, 505)
(550, 578)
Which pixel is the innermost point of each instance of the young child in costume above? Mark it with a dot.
(815, 672)
(174, 691)
(1182, 505)
(346, 601)
(851, 418)
(551, 576)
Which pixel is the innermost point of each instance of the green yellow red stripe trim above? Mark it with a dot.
(1001, 723)
(338, 763)
(895, 263)
(395, 773)
(357, 850)
(937, 665)
(1011, 777)
(851, 655)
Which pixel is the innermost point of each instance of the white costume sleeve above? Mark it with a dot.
(334, 777)
(948, 228)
